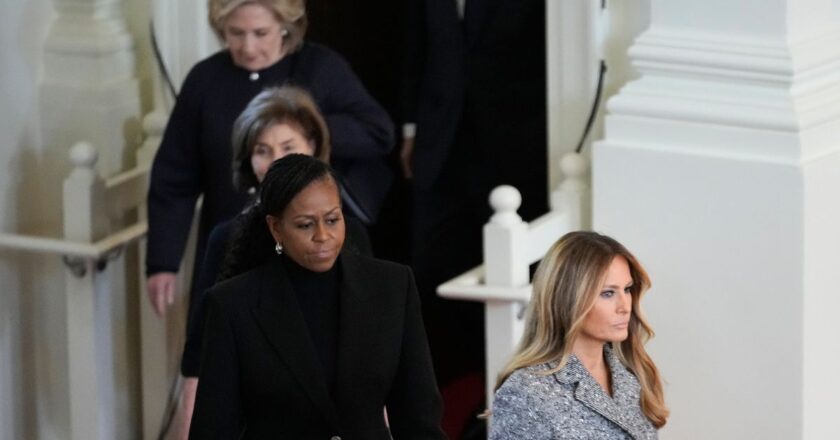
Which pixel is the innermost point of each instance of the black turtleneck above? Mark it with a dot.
(317, 295)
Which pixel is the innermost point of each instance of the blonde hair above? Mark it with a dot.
(565, 286)
(290, 13)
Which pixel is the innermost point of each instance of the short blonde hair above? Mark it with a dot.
(290, 13)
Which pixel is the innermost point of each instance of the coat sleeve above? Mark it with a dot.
(359, 126)
(208, 273)
(516, 415)
(414, 404)
(217, 412)
(175, 182)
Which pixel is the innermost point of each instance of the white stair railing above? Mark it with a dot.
(511, 245)
(95, 212)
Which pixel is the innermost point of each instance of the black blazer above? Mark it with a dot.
(358, 241)
(260, 376)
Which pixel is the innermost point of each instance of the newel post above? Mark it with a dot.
(505, 265)
(573, 194)
(84, 193)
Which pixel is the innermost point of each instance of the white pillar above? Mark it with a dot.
(89, 91)
(719, 169)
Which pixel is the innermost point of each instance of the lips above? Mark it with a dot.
(324, 254)
(621, 325)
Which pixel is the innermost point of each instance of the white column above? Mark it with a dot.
(89, 90)
(719, 169)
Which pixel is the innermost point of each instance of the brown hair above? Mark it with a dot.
(290, 13)
(276, 105)
(565, 286)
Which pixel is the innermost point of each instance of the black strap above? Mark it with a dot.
(594, 111)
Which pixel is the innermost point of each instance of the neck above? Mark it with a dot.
(590, 353)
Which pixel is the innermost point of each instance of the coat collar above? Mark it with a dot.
(278, 315)
(589, 392)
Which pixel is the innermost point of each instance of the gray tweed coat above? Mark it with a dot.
(569, 404)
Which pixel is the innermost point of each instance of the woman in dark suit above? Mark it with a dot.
(581, 370)
(305, 341)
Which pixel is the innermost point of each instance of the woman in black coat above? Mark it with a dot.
(306, 341)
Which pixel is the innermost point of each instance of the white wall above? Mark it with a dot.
(719, 170)
(23, 279)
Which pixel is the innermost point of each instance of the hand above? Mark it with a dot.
(406, 153)
(161, 290)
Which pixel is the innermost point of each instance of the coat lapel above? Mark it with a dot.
(357, 311)
(279, 317)
(589, 392)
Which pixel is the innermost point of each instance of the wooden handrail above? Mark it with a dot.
(97, 250)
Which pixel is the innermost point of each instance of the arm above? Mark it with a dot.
(414, 404)
(211, 267)
(517, 415)
(173, 190)
(175, 182)
(359, 126)
(217, 405)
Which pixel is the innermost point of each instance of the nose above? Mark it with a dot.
(625, 303)
(321, 233)
(248, 44)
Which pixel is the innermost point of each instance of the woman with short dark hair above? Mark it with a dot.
(304, 340)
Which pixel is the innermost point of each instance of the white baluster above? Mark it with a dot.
(506, 265)
(154, 124)
(83, 200)
(573, 195)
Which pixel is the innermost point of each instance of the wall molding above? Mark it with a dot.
(789, 91)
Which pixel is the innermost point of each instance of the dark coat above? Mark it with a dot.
(489, 69)
(357, 241)
(195, 155)
(260, 375)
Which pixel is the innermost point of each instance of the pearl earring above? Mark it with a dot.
(278, 248)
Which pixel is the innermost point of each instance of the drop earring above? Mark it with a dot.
(278, 248)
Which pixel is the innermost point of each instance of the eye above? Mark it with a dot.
(261, 33)
(289, 147)
(306, 225)
(260, 150)
(607, 294)
(333, 220)
(628, 290)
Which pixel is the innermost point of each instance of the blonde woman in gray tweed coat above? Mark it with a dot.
(581, 370)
